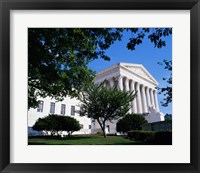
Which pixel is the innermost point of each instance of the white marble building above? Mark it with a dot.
(66, 107)
(126, 76)
(131, 77)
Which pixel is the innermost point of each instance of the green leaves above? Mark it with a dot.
(155, 35)
(58, 57)
(167, 90)
(55, 123)
(104, 104)
(130, 122)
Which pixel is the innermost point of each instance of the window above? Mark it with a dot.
(62, 109)
(90, 126)
(52, 108)
(108, 128)
(93, 122)
(81, 126)
(40, 106)
(72, 110)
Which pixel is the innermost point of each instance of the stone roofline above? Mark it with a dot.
(123, 66)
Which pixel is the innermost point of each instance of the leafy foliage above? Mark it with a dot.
(139, 135)
(167, 91)
(168, 117)
(152, 137)
(155, 35)
(105, 104)
(130, 122)
(56, 123)
(58, 57)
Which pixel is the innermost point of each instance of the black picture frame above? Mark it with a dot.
(7, 5)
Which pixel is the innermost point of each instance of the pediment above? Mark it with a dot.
(140, 71)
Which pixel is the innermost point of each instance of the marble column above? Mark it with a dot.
(111, 83)
(156, 100)
(139, 104)
(120, 82)
(148, 98)
(144, 100)
(127, 89)
(134, 105)
(152, 98)
(104, 83)
(127, 84)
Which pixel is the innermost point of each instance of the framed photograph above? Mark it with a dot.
(99, 86)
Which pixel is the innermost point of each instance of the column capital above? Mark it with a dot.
(139, 85)
(155, 91)
(109, 79)
(143, 86)
(119, 76)
(120, 81)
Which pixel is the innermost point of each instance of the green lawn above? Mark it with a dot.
(84, 140)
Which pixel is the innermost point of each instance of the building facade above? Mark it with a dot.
(125, 76)
(132, 77)
(67, 107)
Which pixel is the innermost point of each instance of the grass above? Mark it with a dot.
(83, 140)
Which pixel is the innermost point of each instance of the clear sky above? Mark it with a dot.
(145, 54)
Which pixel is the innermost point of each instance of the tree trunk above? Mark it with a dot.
(102, 125)
(69, 134)
(104, 130)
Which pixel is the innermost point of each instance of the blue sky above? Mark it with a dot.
(145, 54)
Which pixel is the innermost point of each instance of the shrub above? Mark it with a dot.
(163, 138)
(131, 134)
(130, 122)
(151, 137)
(144, 136)
(57, 123)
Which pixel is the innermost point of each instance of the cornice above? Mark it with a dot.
(107, 71)
(123, 66)
(150, 81)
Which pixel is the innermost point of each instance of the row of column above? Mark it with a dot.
(145, 98)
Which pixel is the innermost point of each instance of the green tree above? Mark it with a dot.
(42, 125)
(105, 104)
(58, 57)
(167, 90)
(55, 124)
(130, 122)
(70, 125)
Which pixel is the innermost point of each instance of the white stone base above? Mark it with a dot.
(154, 116)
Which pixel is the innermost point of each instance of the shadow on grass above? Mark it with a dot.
(43, 143)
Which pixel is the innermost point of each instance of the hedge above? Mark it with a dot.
(151, 137)
(144, 136)
(131, 134)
